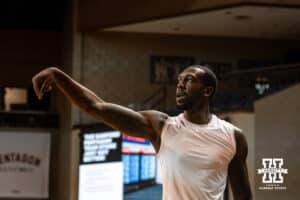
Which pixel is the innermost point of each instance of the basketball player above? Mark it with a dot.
(197, 150)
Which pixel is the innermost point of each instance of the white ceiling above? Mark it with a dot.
(242, 21)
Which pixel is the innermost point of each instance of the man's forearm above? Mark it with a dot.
(77, 93)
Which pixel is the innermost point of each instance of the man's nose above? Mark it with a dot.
(181, 84)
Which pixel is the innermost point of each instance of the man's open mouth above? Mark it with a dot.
(180, 94)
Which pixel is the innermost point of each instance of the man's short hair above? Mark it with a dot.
(209, 78)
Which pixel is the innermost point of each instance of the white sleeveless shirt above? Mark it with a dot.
(194, 158)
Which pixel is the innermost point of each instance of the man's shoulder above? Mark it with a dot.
(156, 118)
(241, 143)
(155, 114)
(239, 136)
(233, 128)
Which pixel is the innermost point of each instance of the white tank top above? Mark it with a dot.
(194, 158)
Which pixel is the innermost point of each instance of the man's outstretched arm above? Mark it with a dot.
(238, 172)
(140, 124)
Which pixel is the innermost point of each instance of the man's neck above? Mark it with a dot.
(199, 116)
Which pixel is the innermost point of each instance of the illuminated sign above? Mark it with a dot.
(101, 147)
(101, 169)
(128, 138)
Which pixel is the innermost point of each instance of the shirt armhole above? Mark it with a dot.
(231, 130)
(162, 136)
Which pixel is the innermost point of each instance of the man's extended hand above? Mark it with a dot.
(43, 82)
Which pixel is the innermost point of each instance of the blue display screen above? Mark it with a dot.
(148, 167)
(131, 163)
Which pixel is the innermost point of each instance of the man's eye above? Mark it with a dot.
(186, 79)
(189, 78)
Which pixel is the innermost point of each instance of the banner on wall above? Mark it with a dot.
(24, 164)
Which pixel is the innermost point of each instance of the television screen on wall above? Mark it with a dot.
(139, 159)
(148, 167)
(131, 164)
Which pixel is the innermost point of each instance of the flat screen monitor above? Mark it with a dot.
(148, 167)
(131, 164)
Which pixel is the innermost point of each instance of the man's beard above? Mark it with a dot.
(183, 107)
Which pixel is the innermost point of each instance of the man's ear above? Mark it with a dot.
(208, 91)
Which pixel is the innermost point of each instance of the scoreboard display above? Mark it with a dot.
(131, 164)
(148, 167)
(139, 161)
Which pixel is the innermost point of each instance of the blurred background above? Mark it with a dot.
(130, 52)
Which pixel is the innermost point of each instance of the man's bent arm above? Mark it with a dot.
(238, 172)
(121, 118)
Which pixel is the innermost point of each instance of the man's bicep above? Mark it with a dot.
(238, 172)
(123, 119)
